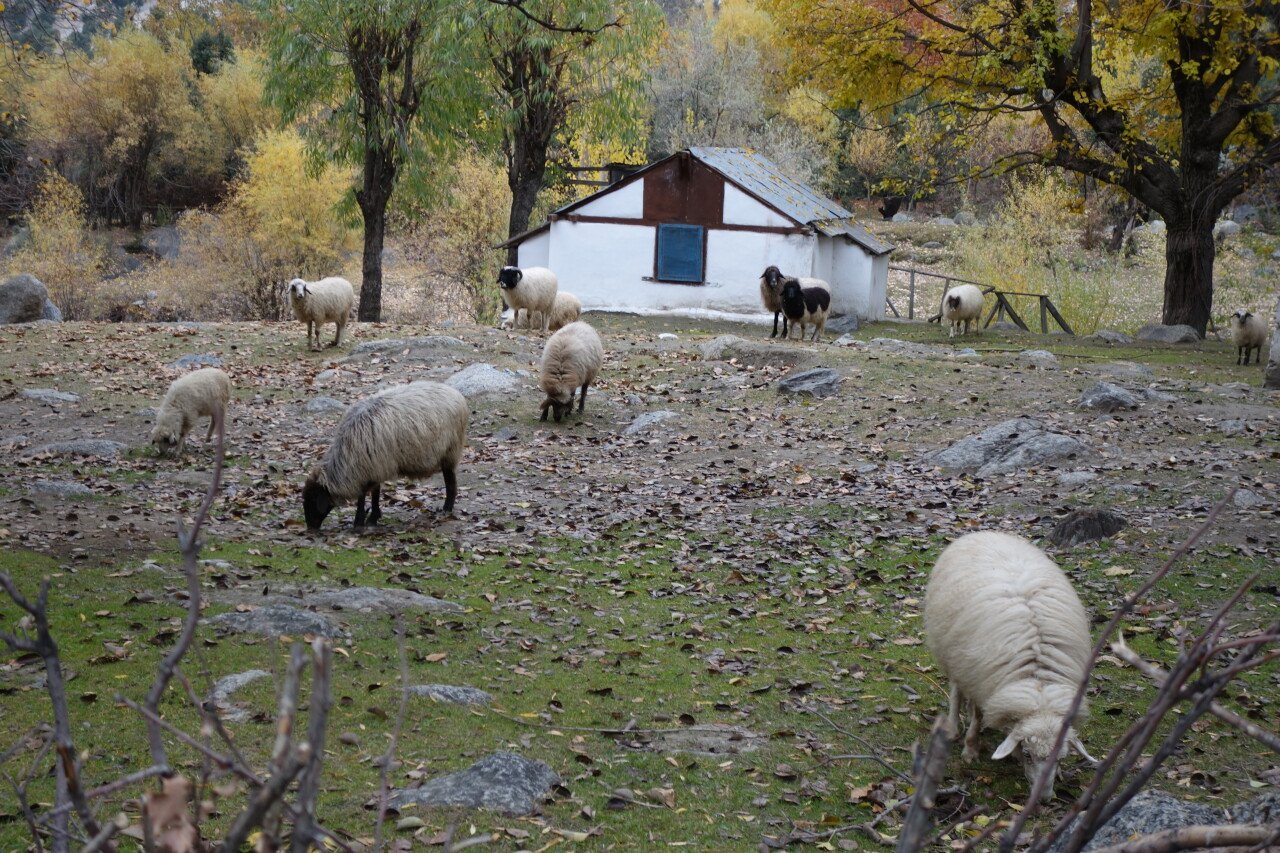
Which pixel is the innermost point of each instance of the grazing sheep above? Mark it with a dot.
(533, 289)
(771, 281)
(571, 360)
(566, 309)
(315, 303)
(807, 306)
(961, 305)
(1010, 633)
(199, 394)
(1247, 333)
(410, 431)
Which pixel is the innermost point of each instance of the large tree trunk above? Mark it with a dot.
(1188, 277)
(379, 181)
(524, 195)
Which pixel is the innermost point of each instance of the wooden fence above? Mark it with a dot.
(1002, 307)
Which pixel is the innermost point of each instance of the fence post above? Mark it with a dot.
(1044, 316)
(911, 296)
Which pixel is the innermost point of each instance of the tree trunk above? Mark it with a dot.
(1188, 277)
(379, 181)
(524, 194)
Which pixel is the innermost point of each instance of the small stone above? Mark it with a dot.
(49, 396)
(667, 336)
(377, 600)
(842, 324)
(1106, 397)
(816, 382)
(205, 359)
(60, 488)
(1168, 334)
(903, 216)
(844, 341)
(503, 782)
(274, 620)
(1232, 427)
(1226, 228)
(966, 352)
(402, 344)
(482, 378)
(1008, 446)
(452, 695)
(324, 406)
(349, 738)
(224, 687)
(933, 244)
(647, 420)
(964, 217)
(506, 434)
(326, 377)
(1109, 336)
(1038, 355)
(1124, 369)
(1246, 499)
(1086, 525)
(81, 447)
(1072, 479)
(1156, 396)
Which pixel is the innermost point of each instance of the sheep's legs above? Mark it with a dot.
(970, 752)
(375, 511)
(313, 335)
(360, 514)
(582, 401)
(337, 340)
(953, 711)
(450, 488)
(775, 324)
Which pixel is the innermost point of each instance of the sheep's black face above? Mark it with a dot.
(1241, 316)
(557, 408)
(792, 299)
(773, 277)
(953, 302)
(317, 503)
(509, 277)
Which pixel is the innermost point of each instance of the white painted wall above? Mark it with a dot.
(534, 251)
(852, 280)
(735, 260)
(742, 209)
(626, 201)
(879, 286)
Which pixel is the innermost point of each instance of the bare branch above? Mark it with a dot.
(388, 758)
(548, 24)
(928, 773)
(1195, 838)
(317, 722)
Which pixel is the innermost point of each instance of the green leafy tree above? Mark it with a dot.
(386, 85)
(1173, 101)
(210, 50)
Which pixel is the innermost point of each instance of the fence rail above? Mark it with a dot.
(1002, 307)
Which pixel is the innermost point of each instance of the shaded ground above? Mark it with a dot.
(745, 563)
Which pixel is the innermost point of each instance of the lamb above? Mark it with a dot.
(533, 289)
(566, 309)
(315, 303)
(1247, 333)
(1010, 633)
(771, 281)
(962, 304)
(807, 306)
(198, 394)
(571, 360)
(411, 431)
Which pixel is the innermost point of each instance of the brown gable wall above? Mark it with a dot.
(684, 190)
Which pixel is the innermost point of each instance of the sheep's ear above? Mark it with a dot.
(1247, 315)
(1076, 744)
(1005, 749)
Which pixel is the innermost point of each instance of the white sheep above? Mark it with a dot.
(329, 300)
(199, 394)
(533, 289)
(1247, 333)
(571, 360)
(411, 431)
(566, 309)
(962, 304)
(1005, 625)
(807, 306)
(771, 281)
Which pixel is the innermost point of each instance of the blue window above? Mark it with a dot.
(680, 253)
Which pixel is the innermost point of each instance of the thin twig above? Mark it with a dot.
(317, 722)
(873, 751)
(266, 797)
(100, 841)
(928, 772)
(1195, 838)
(384, 786)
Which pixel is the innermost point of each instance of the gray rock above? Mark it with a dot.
(60, 488)
(647, 420)
(22, 299)
(224, 687)
(964, 217)
(903, 216)
(842, 324)
(668, 336)
(1108, 398)
(932, 244)
(844, 341)
(1263, 809)
(324, 406)
(1072, 479)
(1271, 379)
(1124, 369)
(1154, 395)
(402, 344)
(1232, 427)
(1008, 446)
(1148, 812)
(1037, 355)
(1110, 336)
(719, 348)
(1155, 226)
(1086, 525)
(1244, 213)
(164, 242)
(9, 443)
(755, 354)
(325, 377)
(204, 359)
(1246, 499)
(965, 352)
(1005, 326)
(483, 379)
(503, 782)
(1226, 228)
(944, 220)
(506, 434)
(51, 312)
(81, 447)
(368, 599)
(815, 382)
(49, 396)
(276, 619)
(908, 347)
(452, 695)
(1168, 334)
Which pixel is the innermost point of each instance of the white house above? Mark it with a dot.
(696, 230)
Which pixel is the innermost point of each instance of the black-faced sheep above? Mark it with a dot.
(807, 306)
(771, 281)
(961, 305)
(199, 394)
(532, 289)
(571, 360)
(1247, 333)
(410, 431)
(329, 300)
(1006, 627)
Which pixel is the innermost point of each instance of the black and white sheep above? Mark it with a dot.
(1006, 627)
(1247, 333)
(771, 281)
(808, 306)
(532, 289)
(411, 431)
(329, 300)
(202, 393)
(961, 305)
(571, 360)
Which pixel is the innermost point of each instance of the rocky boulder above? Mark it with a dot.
(816, 382)
(1168, 334)
(1108, 398)
(1086, 525)
(484, 379)
(503, 782)
(1008, 446)
(22, 299)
